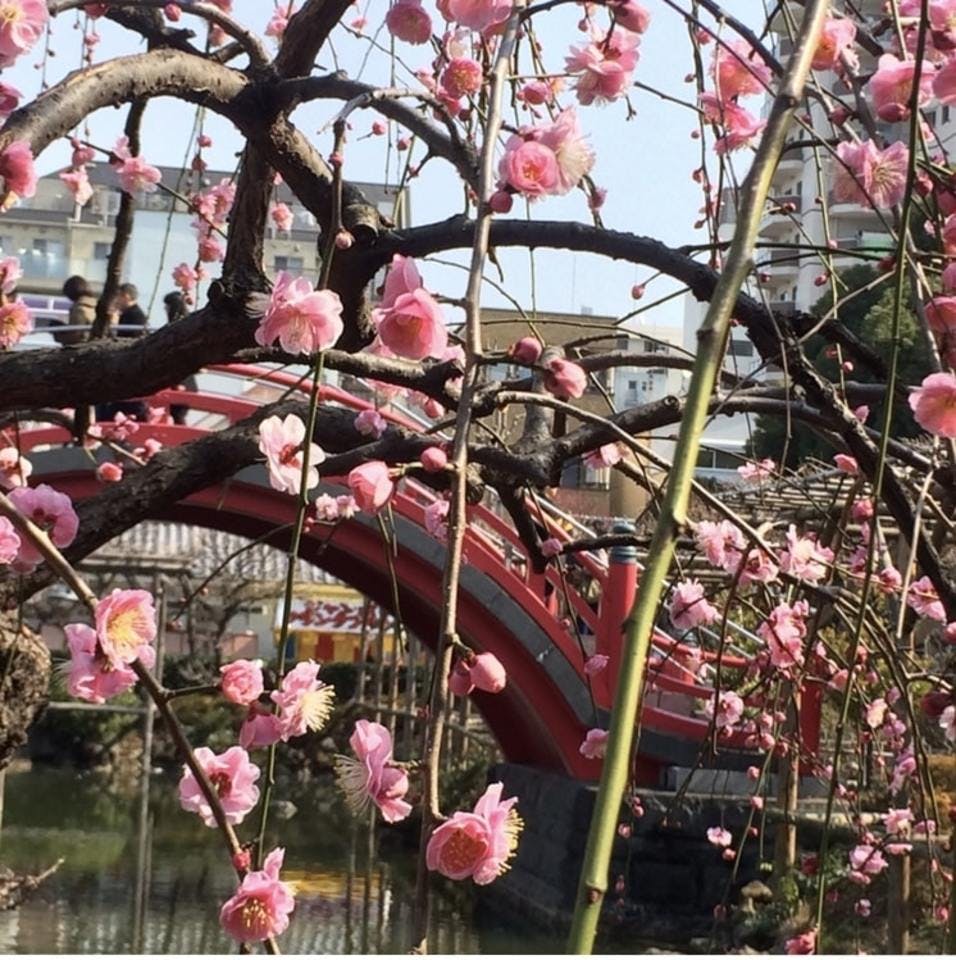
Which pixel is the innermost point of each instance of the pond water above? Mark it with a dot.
(353, 885)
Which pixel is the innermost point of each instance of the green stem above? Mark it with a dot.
(712, 338)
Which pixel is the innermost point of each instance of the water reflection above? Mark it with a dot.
(353, 886)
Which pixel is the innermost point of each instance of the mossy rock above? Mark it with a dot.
(24, 683)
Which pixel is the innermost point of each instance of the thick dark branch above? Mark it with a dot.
(306, 34)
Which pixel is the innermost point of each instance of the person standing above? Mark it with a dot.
(132, 319)
(176, 310)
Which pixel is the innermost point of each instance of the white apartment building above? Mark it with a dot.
(801, 211)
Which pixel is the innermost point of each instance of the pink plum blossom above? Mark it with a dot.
(260, 907)
(605, 456)
(867, 859)
(370, 423)
(51, 511)
(282, 217)
(459, 680)
(434, 459)
(924, 599)
(784, 632)
(604, 66)
(730, 709)
(551, 547)
(757, 471)
(91, 676)
(723, 543)
(15, 323)
(565, 379)
(134, 173)
(282, 443)
(301, 319)
(78, 183)
(15, 469)
(757, 568)
(478, 844)
(22, 23)
(529, 167)
(462, 77)
(488, 673)
(804, 557)
(898, 821)
(846, 464)
(279, 21)
(186, 277)
(436, 519)
(17, 171)
(10, 273)
(371, 485)
(947, 723)
(803, 944)
(370, 775)
(232, 775)
(719, 837)
(304, 702)
(934, 404)
(109, 472)
(630, 14)
(413, 326)
(738, 70)
(261, 728)
(837, 37)
(125, 625)
(870, 176)
(689, 608)
(740, 126)
(402, 277)
(242, 681)
(478, 15)
(596, 664)
(594, 745)
(891, 87)
(571, 151)
(526, 350)
(9, 541)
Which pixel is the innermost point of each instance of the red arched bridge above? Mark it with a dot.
(536, 624)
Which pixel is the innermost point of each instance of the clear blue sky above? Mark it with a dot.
(644, 163)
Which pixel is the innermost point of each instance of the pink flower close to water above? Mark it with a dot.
(22, 23)
(757, 471)
(15, 323)
(232, 775)
(924, 599)
(688, 608)
(302, 319)
(891, 87)
(91, 676)
(370, 776)
(371, 485)
(282, 444)
(18, 172)
(594, 745)
(260, 908)
(242, 681)
(478, 844)
(51, 511)
(933, 404)
(304, 702)
(126, 625)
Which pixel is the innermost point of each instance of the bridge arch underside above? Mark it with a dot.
(542, 715)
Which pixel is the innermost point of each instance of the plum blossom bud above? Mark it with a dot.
(526, 350)
(729, 854)
(949, 634)
(434, 460)
(343, 240)
(378, 128)
(551, 547)
(109, 472)
(173, 12)
(821, 280)
(459, 680)
(637, 291)
(402, 144)
(501, 201)
(241, 859)
(488, 673)
(204, 140)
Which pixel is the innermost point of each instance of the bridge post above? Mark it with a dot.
(616, 603)
(811, 706)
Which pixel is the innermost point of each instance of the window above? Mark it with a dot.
(101, 251)
(6, 247)
(945, 114)
(293, 265)
(741, 348)
(48, 248)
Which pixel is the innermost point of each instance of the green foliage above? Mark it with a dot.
(868, 314)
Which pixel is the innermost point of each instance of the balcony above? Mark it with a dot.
(853, 209)
(783, 264)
